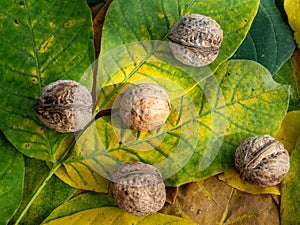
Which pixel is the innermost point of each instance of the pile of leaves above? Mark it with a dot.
(251, 89)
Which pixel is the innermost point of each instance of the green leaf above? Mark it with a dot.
(280, 6)
(201, 133)
(55, 193)
(80, 203)
(12, 171)
(286, 75)
(93, 2)
(289, 208)
(132, 21)
(40, 42)
(116, 216)
(269, 41)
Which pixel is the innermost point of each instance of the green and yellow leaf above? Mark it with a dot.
(151, 20)
(41, 42)
(80, 203)
(289, 208)
(289, 131)
(202, 132)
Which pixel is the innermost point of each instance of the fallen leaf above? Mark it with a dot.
(213, 202)
(171, 194)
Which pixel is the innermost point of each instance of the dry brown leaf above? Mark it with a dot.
(171, 194)
(214, 202)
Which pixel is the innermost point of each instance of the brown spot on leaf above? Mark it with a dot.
(70, 23)
(46, 45)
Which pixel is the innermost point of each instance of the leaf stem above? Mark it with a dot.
(41, 187)
(225, 213)
(54, 168)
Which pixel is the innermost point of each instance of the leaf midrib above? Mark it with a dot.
(198, 117)
(37, 66)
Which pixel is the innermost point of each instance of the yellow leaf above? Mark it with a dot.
(78, 174)
(232, 178)
(82, 176)
(292, 8)
(116, 216)
(289, 131)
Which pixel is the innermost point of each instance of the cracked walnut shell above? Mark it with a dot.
(195, 40)
(262, 160)
(138, 188)
(144, 107)
(64, 106)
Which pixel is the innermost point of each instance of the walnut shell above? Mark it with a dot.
(262, 161)
(195, 40)
(64, 106)
(138, 188)
(144, 107)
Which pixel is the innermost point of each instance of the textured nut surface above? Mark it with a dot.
(64, 106)
(195, 40)
(138, 188)
(262, 160)
(144, 107)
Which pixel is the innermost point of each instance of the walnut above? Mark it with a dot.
(138, 188)
(195, 40)
(262, 161)
(64, 106)
(144, 107)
